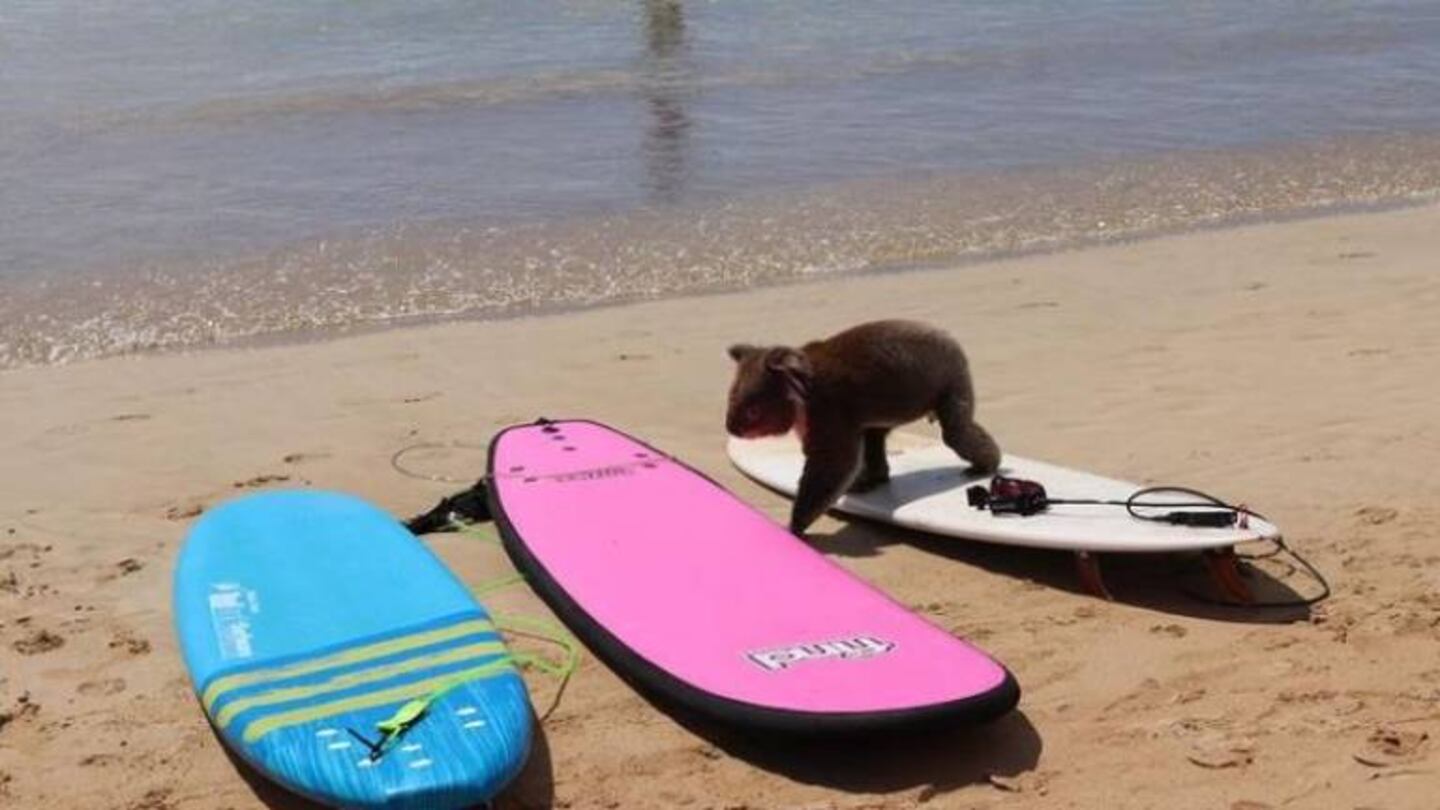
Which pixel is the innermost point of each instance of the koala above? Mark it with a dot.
(844, 394)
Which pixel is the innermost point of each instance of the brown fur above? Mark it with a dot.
(844, 394)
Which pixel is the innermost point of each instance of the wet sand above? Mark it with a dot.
(410, 273)
(1290, 366)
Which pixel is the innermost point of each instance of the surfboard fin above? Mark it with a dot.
(1225, 572)
(1088, 566)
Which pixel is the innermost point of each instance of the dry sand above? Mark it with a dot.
(1292, 366)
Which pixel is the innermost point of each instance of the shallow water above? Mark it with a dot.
(180, 173)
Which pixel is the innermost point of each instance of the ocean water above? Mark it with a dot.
(179, 173)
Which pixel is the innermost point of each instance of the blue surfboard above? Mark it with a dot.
(308, 620)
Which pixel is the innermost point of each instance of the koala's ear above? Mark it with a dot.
(794, 367)
(740, 351)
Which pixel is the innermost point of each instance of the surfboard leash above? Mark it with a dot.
(549, 632)
(397, 464)
(463, 512)
(1023, 498)
(532, 627)
(1018, 496)
(1280, 547)
(650, 458)
(410, 713)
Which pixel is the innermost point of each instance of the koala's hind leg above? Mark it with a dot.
(963, 435)
(874, 466)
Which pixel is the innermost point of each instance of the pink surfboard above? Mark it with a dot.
(703, 601)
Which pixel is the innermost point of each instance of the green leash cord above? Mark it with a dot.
(497, 584)
(412, 712)
(530, 627)
(394, 727)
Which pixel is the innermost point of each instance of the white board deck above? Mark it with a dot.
(927, 487)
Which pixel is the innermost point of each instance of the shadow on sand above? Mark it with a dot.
(1170, 583)
(533, 788)
(935, 759)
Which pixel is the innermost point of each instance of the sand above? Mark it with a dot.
(1292, 366)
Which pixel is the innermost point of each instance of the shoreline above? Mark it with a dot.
(453, 271)
(1286, 365)
(274, 340)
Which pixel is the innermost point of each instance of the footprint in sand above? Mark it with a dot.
(33, 550)
(132, 645)
(1217, 755)
(124, 568)
(1376, 515)
(24, 708)
(40, 641)
(156, 799)
(928, 608)
(1391, 746)
(260, 481)
(131, 417)
(1034, 782)
(109, 686)
(184, 512)
(1188, 696)
(74, 429)
(296, 458)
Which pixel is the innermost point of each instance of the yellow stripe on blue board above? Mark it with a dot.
(342, 658)
(349, 679)
(274, 722)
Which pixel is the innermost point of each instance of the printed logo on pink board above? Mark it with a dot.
(854, 647)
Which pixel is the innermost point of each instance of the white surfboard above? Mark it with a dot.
(927, 487)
